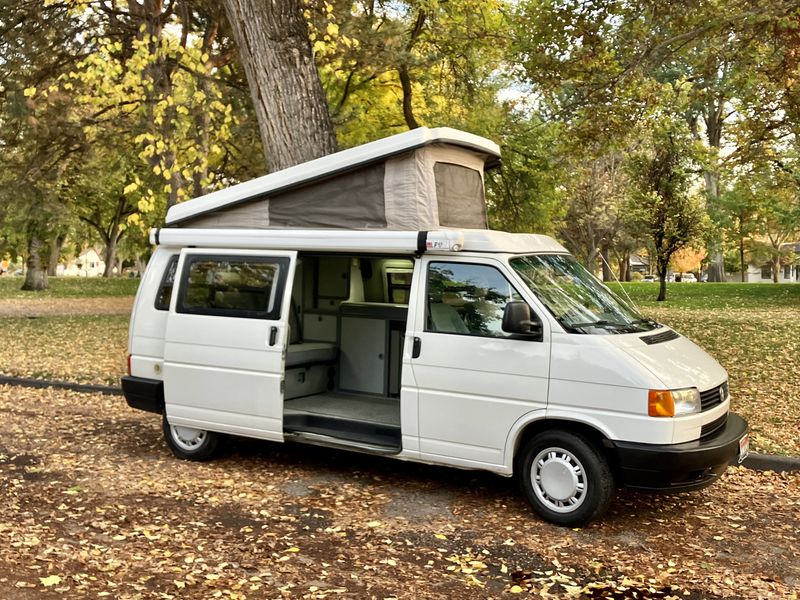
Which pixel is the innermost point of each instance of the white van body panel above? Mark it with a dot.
(226, 374)
(148, 324)
(678, 363)
(472, 389)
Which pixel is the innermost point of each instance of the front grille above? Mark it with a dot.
(660, 337)
(709, 428)
(711, 398)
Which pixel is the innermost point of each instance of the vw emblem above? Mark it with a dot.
(722, 393)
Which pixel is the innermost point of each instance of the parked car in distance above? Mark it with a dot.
(688, 278)
(650, 278)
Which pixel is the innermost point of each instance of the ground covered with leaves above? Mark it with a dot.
(93, 505)
(84, 348)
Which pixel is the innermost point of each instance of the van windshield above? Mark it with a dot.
(576, 298)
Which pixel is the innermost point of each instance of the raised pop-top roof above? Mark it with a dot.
(248, 204)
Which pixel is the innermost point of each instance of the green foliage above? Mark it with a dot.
(662, 206)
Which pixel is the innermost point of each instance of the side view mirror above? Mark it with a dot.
(518, 318)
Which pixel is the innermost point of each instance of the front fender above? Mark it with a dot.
(512, 442)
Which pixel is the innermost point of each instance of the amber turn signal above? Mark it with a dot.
(660, 403)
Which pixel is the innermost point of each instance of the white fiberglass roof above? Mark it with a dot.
(330, 165)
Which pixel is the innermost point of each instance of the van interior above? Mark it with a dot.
(343, 363)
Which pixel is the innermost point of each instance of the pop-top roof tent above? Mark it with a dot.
(422, 179)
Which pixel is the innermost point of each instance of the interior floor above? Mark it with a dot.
(368, 420)
(367, 409)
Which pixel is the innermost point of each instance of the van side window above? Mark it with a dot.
(247, 287)
(467, 299)
(164, 294)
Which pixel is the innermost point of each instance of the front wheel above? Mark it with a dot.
(565, 478)
(189, 443)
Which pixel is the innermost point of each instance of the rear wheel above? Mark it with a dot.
(190, 443)
(565, 478)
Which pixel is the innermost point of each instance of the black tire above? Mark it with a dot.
(188, 443)
(575, 484)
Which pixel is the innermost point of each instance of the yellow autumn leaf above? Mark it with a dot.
(49, 581)
(440, 536)
(29, 92)
(515, 589)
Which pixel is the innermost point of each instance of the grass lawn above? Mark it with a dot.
(71, 287)
(700, 296)
(751, 329)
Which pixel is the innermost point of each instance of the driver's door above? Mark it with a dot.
(474, 380)
(225, 338)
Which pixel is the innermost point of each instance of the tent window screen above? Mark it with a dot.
(352, 200)
(459, 194)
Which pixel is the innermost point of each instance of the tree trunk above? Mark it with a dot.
(408, 94)
(290, 103)
(110, 256)
(776, 266)
(741, 258)
(625, 266)
(661, 269)
(36, 277)
(607, 275)
(55, 253)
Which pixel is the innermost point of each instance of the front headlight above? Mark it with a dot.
(686, 401)
(672, 403)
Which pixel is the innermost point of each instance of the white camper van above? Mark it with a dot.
(279, 310)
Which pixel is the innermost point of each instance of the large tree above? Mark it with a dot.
(287, 94)
(663, 208)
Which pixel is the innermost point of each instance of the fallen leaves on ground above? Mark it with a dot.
(93, 505)
(85, 349)
(760, 349)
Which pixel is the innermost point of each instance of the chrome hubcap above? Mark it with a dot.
(187, 438)
(558, 479)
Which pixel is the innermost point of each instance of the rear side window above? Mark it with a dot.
(167, 283)
(233, 286)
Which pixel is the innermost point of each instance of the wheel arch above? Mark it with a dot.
(535, 423)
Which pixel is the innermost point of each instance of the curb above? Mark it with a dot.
(755, 462)
(771, 462)
(85, 388)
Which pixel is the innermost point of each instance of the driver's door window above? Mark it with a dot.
(467, 299)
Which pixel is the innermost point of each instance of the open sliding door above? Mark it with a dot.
(225, 339)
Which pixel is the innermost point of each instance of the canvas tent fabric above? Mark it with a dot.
(438, 183)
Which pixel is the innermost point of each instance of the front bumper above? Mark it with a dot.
(144, 394)
(679, 467)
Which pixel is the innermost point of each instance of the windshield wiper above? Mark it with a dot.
(646, 322)
(601, 323)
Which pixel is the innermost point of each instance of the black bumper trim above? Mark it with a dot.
(679, 467)
(144, 394)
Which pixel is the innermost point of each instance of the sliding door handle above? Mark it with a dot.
(273, 335)
(416, 348)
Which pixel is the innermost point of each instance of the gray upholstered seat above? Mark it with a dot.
(307, 353)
